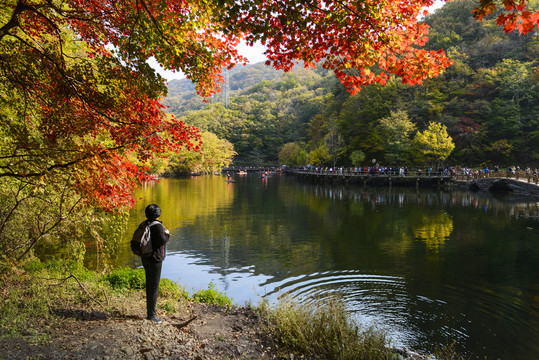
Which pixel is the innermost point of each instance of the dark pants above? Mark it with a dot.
(152, 269)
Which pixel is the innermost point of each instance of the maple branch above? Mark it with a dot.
(70, 81)
(50, 168)
(26, 156)
(21, 7)
(73, 162)
(152, 18)
(155, 23)
(72, 14)
(26, 7)
(357, 14)
(14, 20)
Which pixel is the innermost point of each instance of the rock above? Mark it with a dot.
(508, 186)
(129, 351)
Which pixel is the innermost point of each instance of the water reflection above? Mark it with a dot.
(510, 205)
(434, 231)
(427, 265)
(183, 204)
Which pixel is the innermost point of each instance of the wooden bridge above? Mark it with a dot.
(516, 182)
(374, 178)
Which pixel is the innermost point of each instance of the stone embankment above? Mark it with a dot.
(502, 185)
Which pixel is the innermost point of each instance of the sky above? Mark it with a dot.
(254, 54)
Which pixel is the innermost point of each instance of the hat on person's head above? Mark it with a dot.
(152, 211)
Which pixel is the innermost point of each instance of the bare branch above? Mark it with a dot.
(46, 231)
(80, 285)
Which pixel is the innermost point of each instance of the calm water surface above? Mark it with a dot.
(428, 266)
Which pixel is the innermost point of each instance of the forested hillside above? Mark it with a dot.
(488, 101)
(182, 96)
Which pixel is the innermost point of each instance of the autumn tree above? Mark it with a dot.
(80, 106)
(515, 14)
(433, 144)
(216, 153)
(500, 150)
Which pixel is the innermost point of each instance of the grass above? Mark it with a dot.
(126, 279)
(31, 295)
(323, 330)
(28, 294)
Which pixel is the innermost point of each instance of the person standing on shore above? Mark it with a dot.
(153, 262)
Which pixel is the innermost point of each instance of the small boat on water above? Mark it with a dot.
(230, 181)
(241, 172)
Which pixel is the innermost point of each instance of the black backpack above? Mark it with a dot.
(141, 243)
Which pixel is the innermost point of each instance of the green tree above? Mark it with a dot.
(500, 150)
(357, 157)
(319, 156)
(289, 154)
(214, 154)
(396, 130)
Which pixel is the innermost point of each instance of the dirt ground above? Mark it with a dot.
(194, 332)
(200, 332)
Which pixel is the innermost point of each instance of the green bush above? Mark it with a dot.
(172, 290)
(212, 296)
(126, 279)
(52, 266)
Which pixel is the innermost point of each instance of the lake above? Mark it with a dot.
(428, 266)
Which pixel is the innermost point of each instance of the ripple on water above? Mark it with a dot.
(411, 320)
(372, 300)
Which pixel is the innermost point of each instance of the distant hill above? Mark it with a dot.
(182, 96)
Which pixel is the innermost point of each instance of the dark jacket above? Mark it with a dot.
(160, 237)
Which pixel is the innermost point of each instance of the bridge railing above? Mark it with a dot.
(516, 175)
(376, 172)
(459, 175)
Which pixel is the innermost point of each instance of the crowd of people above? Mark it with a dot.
(511, 171)
(382, 170)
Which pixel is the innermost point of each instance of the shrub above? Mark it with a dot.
(212, 296)
(126, 279)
